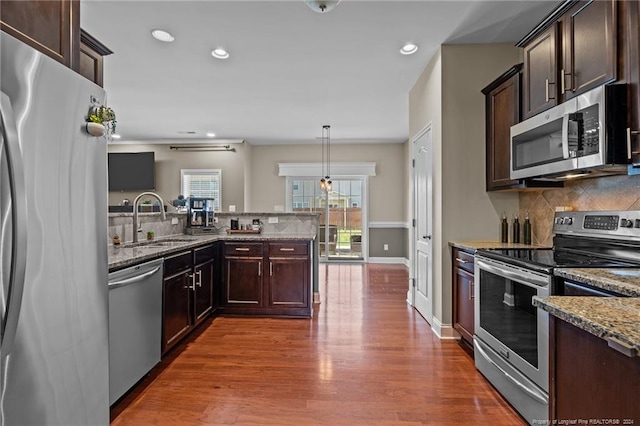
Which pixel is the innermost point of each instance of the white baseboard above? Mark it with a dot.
(316, 297)
(394, 260)
(444, 332)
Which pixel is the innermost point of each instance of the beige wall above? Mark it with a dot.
(169, 163)
(386, 202)
(448, 95)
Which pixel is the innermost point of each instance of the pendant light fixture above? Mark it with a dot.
(325, 182)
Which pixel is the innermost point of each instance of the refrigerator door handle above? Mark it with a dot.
(16, 174)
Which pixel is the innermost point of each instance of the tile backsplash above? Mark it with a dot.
(606, 193)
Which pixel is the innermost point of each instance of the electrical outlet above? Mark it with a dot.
(232, 208)
(273, 220)
(174, 220)
(386, 247)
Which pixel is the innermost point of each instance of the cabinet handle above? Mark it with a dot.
(270, 269)
(199, 282)
(629, 133)
(193, 282)
(471, 296)
(562, 86)
(242, 249)
(546, 90)
(461, 261)
(259, 269)
(286, 249)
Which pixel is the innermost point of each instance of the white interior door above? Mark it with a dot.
(423, 271)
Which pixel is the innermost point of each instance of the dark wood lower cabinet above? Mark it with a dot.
(243, 282)
(203, 292)
(176, 317)
(590, 380)
(463, 294)
(268, 279)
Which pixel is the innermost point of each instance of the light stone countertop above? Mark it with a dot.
(131, 254)
(604, 317)
(478, 245)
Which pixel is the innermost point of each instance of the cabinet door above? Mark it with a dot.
(50, 26)
(176, 318)
(539, 79)
(463, 321)
(288, 282)
(589, 47)
(632, 71)
(502, 112)
(243, 282)
(203, 293)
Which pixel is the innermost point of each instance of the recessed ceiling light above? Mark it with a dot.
(162, 35)
(220, 53)
(211, 135)
(409, 49)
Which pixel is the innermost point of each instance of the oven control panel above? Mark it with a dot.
(616, 224)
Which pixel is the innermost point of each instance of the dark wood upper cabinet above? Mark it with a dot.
(589, 47)
(91, 62)
(502, 110)
(540, 64)
(50, 26)
(631, 41)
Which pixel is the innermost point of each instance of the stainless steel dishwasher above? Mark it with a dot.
(135, 325)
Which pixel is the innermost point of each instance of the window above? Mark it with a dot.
(202, 183)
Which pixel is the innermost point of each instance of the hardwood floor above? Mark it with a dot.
(366, 358)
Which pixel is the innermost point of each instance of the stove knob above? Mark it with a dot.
(558, 221)
(567, 221)
(626, 223)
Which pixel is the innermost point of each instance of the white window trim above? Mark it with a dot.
(203, 172)
(338, 170)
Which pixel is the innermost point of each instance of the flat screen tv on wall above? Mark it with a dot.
(132, 171)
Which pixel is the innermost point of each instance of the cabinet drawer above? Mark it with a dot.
(243, 249)
(177, 263)
(463, 260)
(287, 248)
(203, 254)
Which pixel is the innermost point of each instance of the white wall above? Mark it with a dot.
(448, 95)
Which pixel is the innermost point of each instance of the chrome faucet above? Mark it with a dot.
(135, 212)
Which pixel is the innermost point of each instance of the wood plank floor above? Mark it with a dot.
(366, 358)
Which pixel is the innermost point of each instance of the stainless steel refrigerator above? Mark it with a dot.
(53, 227)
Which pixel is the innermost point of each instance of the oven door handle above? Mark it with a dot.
(530, 280)
(538, 396)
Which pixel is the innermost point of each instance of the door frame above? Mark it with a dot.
(411, 298)
(365, 212)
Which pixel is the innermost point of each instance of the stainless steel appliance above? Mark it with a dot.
(200, 215)
(53, 270)
(135, 325)
(584, 136)
(511, 340)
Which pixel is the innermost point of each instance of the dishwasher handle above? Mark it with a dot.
(133, 280)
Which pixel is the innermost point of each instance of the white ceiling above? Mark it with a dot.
(291, 69)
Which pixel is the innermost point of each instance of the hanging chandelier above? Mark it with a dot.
(325, 182)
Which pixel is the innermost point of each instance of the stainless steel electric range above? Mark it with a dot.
(511, 336)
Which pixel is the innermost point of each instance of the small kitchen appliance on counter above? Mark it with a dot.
(200, 216)
(511, 338)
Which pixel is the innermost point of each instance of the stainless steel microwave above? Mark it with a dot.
(581, 137)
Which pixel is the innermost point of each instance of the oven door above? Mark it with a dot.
(506, 320)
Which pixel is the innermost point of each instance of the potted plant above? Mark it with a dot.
(145, 206)
(101, 120)
(150, 235)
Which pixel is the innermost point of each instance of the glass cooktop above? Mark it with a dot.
(545, 260)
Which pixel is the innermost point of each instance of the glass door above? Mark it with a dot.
(341, 215)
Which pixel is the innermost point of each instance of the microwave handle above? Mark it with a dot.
(565, 136)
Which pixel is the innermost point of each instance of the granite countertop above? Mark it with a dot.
(477, 245)
(609, 318)
(625, 281)
(130, 254)
(616, 318)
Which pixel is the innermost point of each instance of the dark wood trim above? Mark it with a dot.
(548, 20)
(505, 76)
(94, 44)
